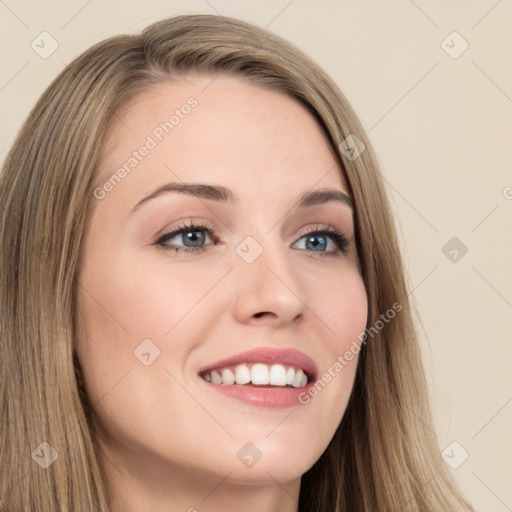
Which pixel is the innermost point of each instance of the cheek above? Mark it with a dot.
(120, 305)
(161, 303)
(342, 308)
(143, 300)
(341, 304)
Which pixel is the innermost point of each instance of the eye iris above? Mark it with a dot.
(194, 237)
(315, 242)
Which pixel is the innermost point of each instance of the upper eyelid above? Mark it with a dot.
(200, 226)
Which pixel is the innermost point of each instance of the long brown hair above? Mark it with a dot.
(383, 456)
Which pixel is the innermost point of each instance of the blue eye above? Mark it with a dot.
(325, 241)
(316, 242)
(192, 238)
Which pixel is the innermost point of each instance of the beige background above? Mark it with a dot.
(442, 130)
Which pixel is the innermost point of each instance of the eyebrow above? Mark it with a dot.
(225, 195)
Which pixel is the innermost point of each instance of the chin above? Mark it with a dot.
(267, 460)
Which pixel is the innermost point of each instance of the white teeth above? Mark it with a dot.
(258, 374)
(216, 378)
(277, 375)
(228, 377)
(242, 374)
(298, 378)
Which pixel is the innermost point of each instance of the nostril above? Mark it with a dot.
(263, 313)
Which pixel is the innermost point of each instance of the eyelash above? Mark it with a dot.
(338, 238)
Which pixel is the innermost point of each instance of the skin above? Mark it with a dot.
(168, 442)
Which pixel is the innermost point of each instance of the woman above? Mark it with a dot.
(203, 300)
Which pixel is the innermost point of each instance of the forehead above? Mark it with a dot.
(221, 129)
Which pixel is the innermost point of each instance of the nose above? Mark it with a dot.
(268, 290)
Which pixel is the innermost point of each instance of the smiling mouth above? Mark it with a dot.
(259, 374)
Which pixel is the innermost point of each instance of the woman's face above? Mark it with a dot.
(254, 286)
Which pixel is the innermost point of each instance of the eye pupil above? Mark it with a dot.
(316, 241)
(195, 237)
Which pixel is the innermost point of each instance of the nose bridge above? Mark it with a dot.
(267, 281)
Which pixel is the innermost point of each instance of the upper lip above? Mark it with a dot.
(269, 355)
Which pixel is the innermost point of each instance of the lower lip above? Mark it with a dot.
(277, 397)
